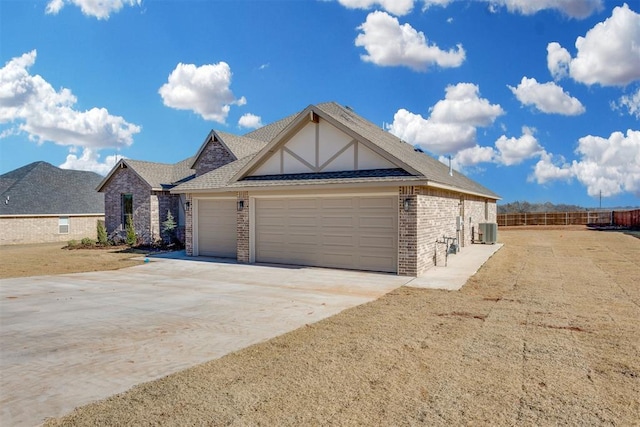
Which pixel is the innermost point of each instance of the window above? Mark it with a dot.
(63, 225)
(127, 209)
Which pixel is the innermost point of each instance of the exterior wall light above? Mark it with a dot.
(187, 205)
(407, 204)
(240, 205)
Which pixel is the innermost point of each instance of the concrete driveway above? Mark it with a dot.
(71, 339)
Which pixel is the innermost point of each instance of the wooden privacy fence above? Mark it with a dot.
(611, 218)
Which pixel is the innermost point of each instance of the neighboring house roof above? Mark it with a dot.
(40, 188)
(419, 167)
(159, 176)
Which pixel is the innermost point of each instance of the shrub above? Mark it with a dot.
(86, 241)
(102, 233)
(169, 227)
(72, 243)
(131, 232)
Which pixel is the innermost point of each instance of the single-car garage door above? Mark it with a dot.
(341, 232)
(216, 228)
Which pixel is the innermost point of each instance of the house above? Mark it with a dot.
(325, 187)
(42, 203)
(140, 190)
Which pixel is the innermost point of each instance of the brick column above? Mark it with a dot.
(188, 225)
(243, 228)
(408, 232)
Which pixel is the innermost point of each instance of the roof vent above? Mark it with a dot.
(348, 108)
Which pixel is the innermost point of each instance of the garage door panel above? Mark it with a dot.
(382, 242)
(339, 232)
(384, 203)
(337, 203)
(217, 228)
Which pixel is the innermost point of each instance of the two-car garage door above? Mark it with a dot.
(340, 232)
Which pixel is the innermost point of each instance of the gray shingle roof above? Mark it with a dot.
(42, 189)
(269, 132)
(422, 166)
(159, 176)
(430, 168)
(241, 146)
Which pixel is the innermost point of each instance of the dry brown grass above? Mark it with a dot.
(547, 333)
(50, 258)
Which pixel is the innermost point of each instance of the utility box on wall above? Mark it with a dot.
(488, 232)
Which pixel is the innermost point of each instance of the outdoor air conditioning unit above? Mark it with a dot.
(488, 232)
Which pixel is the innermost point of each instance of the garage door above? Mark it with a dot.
(217, 228)
(339, 232)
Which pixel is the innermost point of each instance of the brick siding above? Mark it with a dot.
(212, 157)
(243, 228)
(125, 181)
(22, 230)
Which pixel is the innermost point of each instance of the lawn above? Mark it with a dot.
(50, 258)
(546, 333)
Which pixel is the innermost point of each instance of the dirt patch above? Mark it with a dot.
(51, 258)
(546, 333)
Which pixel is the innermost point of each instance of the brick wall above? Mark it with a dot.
(437, 212)
(407, 232)
(21, 230)
(212, 157)
(243, 228)
(188, 225)
(125, 181)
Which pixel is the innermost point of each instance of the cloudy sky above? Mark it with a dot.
(537, 100)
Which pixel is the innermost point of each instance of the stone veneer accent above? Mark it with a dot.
(243, 228)
(212, 157)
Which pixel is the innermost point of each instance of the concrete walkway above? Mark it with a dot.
(68, 340)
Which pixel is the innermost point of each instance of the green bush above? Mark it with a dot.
(169, 227)
(86, 241)
(131, 232)
(102, 233)
(72, 243)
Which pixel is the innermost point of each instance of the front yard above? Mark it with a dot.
(545, 333)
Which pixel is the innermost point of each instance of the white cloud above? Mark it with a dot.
(471, 156)
(608, 55)
(558, 60)
(48, 115)
(631, 103)
(250, 121)
(548, 170)
(390, 44)
(100, 9)
(572, 8)
(90, 161)
(442, 3)
(608, 165)
(204, 90)
(397, 7)
(513, 151)
(547, 97)
(452, 124)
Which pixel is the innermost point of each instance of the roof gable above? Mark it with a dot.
(314, 142)
(158, 176)
(42, 189)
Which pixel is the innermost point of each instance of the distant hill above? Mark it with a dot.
(522, 207)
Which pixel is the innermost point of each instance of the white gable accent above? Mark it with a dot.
(321, 147)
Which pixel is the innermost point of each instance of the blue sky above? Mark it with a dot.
(539, 101)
